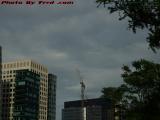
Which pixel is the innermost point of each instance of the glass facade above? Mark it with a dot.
(9, 82)
(26, 103)
(52, 96)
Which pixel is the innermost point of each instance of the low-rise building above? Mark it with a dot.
(93, 109)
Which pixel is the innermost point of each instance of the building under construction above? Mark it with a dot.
(93, 109)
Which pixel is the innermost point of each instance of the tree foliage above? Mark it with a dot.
(140, 93)
(141, 14)
(112, 93)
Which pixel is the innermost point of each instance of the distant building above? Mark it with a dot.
(26, 99)
(52, 96)
(0, 83)
(9, 81)
(94, 109)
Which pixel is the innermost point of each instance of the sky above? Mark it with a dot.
(69, 37)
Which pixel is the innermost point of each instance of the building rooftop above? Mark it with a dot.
(89, 102)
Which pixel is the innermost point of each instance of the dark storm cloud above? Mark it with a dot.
(64, 38)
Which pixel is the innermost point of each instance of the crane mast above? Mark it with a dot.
(82, 92)
(82, 95)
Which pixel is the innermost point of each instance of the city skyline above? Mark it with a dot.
(78, 87)
(65, 38)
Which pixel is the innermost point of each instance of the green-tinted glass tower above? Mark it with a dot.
(26, 103)
(52, 96)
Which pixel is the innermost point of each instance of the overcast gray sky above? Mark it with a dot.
(67, 37)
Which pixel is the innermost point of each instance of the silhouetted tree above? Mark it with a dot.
(140, 93)
(141, 14)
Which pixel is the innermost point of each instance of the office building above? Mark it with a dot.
(0, 83)
(8, 77)
(93, 109)
(52, 96)
(26, 98)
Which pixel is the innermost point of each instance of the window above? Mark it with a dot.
(21, 83)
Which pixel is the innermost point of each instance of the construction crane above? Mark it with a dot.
(82, 94)
(82, 87)
(83, 97)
